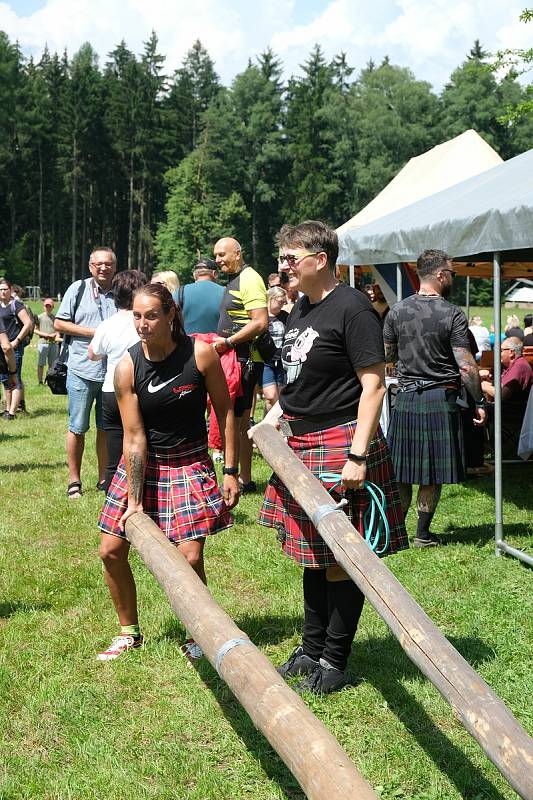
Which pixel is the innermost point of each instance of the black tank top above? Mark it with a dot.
(172, 395)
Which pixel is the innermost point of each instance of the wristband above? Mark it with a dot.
(481, 403)
(230, 471)
(228, 343)
(356, 458)
(12, 373)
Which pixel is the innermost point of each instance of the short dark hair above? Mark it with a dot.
(430, 261)
(124, 284)
(160, 291)
(311, 235)
(205, 263)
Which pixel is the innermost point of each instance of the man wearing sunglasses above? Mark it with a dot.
(243, 317)
(427, 337)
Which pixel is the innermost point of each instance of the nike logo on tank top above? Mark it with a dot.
(172, 395)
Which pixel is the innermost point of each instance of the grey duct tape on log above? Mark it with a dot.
(324, 510)
(225, 648)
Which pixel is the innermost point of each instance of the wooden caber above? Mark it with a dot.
(309, 750)
(479, 709)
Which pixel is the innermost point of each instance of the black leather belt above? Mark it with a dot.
(300, 425)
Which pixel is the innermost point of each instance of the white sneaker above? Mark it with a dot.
(218, 457)
(191, 650)
(120, 644)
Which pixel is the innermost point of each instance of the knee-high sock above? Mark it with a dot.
(315, 612)
(345, 604)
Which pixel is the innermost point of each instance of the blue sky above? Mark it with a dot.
(431, 37)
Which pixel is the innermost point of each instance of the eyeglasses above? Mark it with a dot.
(452, 272)
(101, 263)
(292, 258)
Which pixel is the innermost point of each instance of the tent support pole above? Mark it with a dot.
(351, 272)
(399, 289)
(498, 498)
(468, 298)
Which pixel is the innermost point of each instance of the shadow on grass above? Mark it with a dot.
(481, 534)
(516, 480)
(31, 466)
(9, 437)
(47, 412)
(382, 662)
(11, 607)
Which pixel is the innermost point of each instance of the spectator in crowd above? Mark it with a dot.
(18, 325)
(112, 338)
(481, 335)
(513, 327)
(516, 382)
(243, 317)
(200, 301)
(274, 279)
(161, 386)
(528, 330)
(428, 339)
(331, 403)
(168, 278)
(94, 300)
(8, 365)
(47, 348)
(273, 372)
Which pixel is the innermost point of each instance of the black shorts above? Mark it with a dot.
(252, 372)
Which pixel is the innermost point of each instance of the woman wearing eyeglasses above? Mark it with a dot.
(333, 357)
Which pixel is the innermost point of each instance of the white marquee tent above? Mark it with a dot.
(487, 217)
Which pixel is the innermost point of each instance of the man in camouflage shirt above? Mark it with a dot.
(427, 337)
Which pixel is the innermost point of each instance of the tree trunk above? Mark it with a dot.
(74, 210)
(83, 246)
(41, 226)
(130, 213)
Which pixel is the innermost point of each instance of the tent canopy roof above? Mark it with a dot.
(437, 169)
(492, 211)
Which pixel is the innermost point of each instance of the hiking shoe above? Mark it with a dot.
(247, 488)
(297, 664)
(429, 540)
(324, 679)
(191, 650)
(120, 644)
(10, 417)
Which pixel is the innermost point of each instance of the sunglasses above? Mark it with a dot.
(293, 258)
(452, 272)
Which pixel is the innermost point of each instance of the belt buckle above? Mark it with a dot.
(285, 426)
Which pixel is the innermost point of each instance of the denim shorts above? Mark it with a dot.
(19, 353)
(81, 395)
(274, 374)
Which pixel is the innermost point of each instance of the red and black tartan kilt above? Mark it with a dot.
(327, 451)
(181, 494)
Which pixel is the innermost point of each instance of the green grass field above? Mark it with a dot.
(151, 726)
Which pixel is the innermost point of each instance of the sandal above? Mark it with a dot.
(101, 486)
(74, 490)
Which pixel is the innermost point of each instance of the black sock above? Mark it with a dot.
(345, 604)
(315, 612)
(424, 521)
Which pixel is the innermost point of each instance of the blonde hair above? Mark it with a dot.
(276, 291)
(168, 278)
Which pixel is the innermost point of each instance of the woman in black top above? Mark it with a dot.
(334, 362)
(161, 386)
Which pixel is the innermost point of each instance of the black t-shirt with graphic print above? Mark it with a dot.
(324, 344)
(425, 329)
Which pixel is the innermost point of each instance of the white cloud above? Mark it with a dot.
(432, 37)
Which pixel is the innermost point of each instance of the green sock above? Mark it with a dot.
(130, 630)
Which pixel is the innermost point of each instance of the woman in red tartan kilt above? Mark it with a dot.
(161, 386)
(334, 361)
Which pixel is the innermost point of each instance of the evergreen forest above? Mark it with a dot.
(159, 166)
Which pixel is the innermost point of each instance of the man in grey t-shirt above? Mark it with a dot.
(428, 339)
(85, 377)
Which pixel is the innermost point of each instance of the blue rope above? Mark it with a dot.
(375, 519)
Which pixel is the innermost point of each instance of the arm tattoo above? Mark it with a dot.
(136, 477)
(469, 371)
(391, 352)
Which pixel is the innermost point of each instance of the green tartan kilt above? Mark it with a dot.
(425, 437)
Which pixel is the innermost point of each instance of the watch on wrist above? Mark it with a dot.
(230, 471)
(228, 343)
(358, 459)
